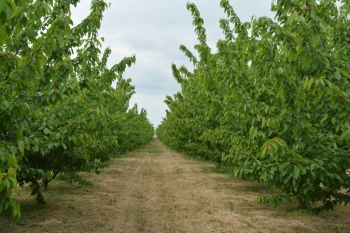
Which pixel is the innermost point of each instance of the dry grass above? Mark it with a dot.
(158, 190)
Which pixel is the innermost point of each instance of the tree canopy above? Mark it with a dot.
(62, 110)
(272, 104)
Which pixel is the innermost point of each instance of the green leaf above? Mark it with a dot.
(5, 104)
(3, 34)
(301, 169)
(296, 172)
(263, 122)
(13, 149)
(282, 166)
(21, 147)
(333, 120)
(47, 131)
(12, 162)
(81, 137)
(11, 173)
(324, 118)
(16, 212)
(36, 141)
(294, 15)
(2, 6)
(337, 75)
(10, 8)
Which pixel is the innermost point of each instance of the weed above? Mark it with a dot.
(250, 225)
(140, 220)
(178, 170)
(229, 206)
(257, 188)
(167, 208)
(167, 226)
(139, 195)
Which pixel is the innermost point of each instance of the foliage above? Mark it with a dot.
(58, 110)
(272, 103)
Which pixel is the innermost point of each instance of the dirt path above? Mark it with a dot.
(158, 190)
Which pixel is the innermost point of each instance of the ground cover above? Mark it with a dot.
(158, 190)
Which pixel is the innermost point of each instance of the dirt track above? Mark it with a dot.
(158, 190)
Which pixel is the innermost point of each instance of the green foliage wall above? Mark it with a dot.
(58, 110)
(272, 104)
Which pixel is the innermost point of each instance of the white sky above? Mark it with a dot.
(154, 30)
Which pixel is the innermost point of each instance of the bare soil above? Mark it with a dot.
(159, 190)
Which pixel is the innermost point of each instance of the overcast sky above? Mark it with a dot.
(154, 31)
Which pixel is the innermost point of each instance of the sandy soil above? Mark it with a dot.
(158, 190)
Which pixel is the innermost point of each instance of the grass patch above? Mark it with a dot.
(167, 226)
(140, 220)
(178, 170)
(139, 195)
(257, 188)
(154, 151)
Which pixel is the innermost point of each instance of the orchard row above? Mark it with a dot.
(62, 111)
(272, 104)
